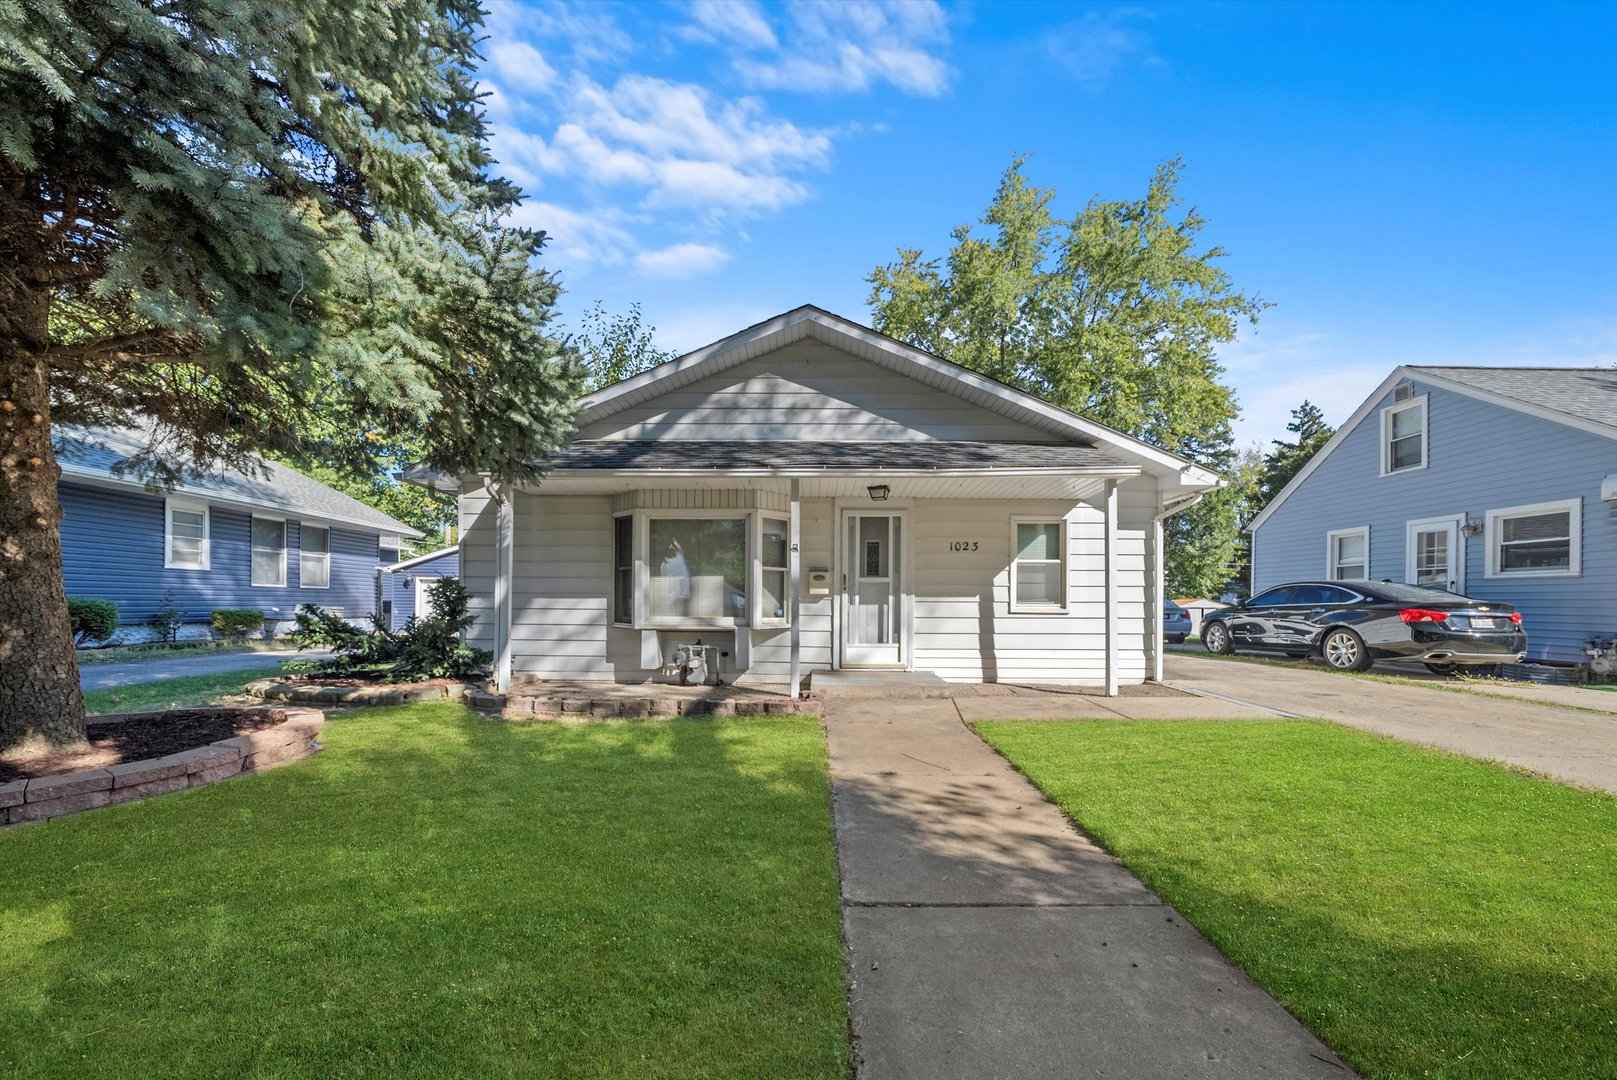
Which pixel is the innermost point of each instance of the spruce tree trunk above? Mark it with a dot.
(40, 699)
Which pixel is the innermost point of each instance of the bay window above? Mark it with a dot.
(699, 568)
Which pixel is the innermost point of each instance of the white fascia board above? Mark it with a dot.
(1116, 473)
(417, 560)
(1331, 444)
(711, 359)
(101, 479)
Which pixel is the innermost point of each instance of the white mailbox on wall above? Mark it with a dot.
(819, 581)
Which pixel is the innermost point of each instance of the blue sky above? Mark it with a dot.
(1404, 183)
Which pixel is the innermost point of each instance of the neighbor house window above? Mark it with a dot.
(1038, 566)
(185, 536)
(1403, 436)
(269, 551)
(623, 569)
(314, 557)
(1347, 554)
(772, 557)
(1541, 540)
(698, 569)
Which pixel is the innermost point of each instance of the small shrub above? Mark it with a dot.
(238, 624)
(167, 619)
(420, 649)
(92, 620)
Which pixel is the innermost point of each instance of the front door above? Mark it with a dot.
(1434, 555)
(873, 623)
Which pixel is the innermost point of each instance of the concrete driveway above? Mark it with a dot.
(1513, 725)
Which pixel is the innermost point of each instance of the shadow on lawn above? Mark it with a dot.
(440, 894)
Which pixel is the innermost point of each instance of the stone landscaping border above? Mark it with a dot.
(315, 693)
(44, 797)
(521, 707)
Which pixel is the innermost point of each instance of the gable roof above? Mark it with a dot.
(878, 348)
(91, 454)
(1581, 398)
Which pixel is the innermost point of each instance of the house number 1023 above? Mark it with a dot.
(962, 545)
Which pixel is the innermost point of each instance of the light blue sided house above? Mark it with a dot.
(403, 585)
(226, 540)
(1500, 483)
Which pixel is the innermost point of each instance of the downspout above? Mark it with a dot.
(1158, 586)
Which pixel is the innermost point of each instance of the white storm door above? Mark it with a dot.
(423, 603)
(873, 592)
(1434, 556)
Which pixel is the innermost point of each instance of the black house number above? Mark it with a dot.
(962, 545)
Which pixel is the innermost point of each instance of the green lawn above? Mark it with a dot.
(1427, 915)
(438, 895)
(189, 690)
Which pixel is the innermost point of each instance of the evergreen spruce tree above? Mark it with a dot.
(260, 225)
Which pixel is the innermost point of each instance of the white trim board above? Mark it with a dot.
(417, 560)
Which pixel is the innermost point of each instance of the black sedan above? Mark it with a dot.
(1352, 624)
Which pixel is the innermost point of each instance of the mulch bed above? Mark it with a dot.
(113, 741)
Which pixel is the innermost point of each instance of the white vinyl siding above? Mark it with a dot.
(1347, 554)
(269, 552)
(1541, 540)
(187, 541)
(314, 557)
(1403, 436)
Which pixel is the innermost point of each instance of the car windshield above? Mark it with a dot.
(1397, 590)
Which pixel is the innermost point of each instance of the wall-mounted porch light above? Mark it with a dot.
(1472, 527)
(878, 492)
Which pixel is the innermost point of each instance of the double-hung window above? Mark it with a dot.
(773, 598)
(186, 540)
(314, 557)
(1403, 436)
(1541, 540)
(1347, 554)
(1038, 566)
(269, 551)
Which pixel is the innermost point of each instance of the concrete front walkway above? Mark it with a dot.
(1571, 745)
(989, 939)
(101, 676)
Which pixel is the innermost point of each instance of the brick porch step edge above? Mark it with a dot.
(45, 797)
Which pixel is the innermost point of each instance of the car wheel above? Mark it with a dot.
(1344, 650)
(1217, 640)
(1442, 669)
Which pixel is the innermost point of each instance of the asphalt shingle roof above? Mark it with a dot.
(722, 455)
(1586, 393)
(97, 450)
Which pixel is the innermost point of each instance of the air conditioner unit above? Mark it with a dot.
(1608, 489)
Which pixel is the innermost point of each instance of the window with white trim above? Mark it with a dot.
(314, 557)
(1038, 566)
(1347, 554)
(186, 541)
(1541, 540)
(696, 569)
(623, 569)
(773, 543)
(269, 551)
(1403, 436)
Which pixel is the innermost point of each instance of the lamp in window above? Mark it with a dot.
(878, 492)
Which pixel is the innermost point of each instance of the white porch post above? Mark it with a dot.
(1158, 598)
(504, 560)
(794, 571)
(1110, 583)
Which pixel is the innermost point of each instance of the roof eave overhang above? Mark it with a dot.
(1120, 472)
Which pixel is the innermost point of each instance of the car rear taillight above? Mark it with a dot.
(1516, 617)
(1419, 614)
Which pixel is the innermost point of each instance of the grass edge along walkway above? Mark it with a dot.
(1426, 914)
(436, 894)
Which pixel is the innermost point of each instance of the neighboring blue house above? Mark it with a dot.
(1500, 483)
(403, 585)
(228, 540)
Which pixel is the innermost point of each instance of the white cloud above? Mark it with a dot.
(1101, 44)
(739, 22)
(578, 239)
(520, 66)
(851, 47)
(681, 261)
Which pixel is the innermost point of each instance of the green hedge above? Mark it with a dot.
(238, 624)
(92, 620)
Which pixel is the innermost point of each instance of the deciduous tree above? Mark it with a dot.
(618, 347)
(258, 227)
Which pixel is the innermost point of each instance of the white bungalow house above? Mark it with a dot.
(810, 495)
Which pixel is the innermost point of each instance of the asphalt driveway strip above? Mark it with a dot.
(988, 938)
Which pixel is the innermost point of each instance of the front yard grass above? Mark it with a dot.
(437, 895)
(187, 691)
(1427, 915)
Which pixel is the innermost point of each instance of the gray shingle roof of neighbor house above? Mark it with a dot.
(93, 454)
(697, 455)
(1586, 393)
